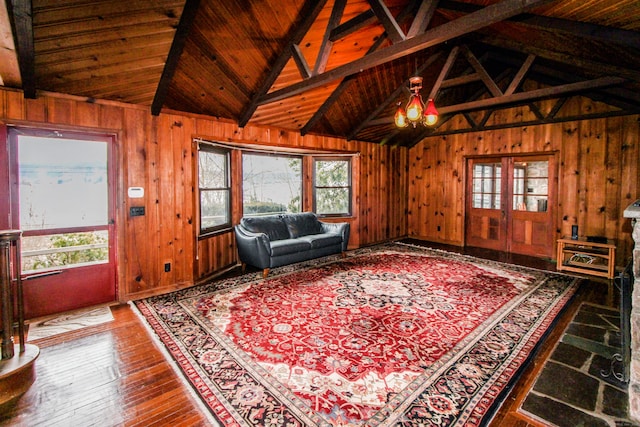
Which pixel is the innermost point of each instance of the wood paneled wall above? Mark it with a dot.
(157, 153)
(598, 174)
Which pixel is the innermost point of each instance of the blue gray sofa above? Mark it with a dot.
(275, 240)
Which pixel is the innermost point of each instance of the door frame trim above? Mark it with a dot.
(500, 156)
(114, 168)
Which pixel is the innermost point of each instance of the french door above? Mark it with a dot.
(510, 204)
(62, 198)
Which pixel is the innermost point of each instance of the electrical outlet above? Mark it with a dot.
(167, 267)
(136, 211)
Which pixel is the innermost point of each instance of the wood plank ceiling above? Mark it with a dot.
(330, 67)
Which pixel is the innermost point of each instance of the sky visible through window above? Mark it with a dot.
(63, 182)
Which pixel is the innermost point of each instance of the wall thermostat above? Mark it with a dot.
(135, 192)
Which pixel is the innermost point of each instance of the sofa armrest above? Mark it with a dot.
(253, 248)
(341, 228)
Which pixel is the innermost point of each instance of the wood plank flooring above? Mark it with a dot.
(106, 375)
(114, 374)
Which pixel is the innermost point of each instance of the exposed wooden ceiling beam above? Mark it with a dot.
(301, 62)
(347, 81)
(443, 72)
(353, 25)
(325, 47)
(472, 22)
(532, 95)
(177, 46)
(308, 15)
(520, 75)
(423, 18)
(9, 67)
(444, 118)
(461, 80)
(576, 28)
(484, 76)
(619, 97)
(391, 98)
(546, 120)
(20, 14)
(393, 30)
(593, 67)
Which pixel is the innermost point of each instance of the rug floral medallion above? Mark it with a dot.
(390, 335)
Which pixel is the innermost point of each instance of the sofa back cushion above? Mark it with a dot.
(272, 225)
(302, 224)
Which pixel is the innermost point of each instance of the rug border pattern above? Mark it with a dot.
(479, 403)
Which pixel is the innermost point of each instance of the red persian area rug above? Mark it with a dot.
(391, 335)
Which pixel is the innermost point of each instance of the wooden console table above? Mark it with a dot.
(582, 256)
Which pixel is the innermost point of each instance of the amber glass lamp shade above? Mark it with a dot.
(431, 113)
(414, 109)
(400, 117)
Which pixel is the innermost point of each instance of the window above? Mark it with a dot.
(62, 185)
(530, 186)
(215, 190)
(271, 184)
(486, 185)
(332, 187)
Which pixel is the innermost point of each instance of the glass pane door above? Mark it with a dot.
(63, 199)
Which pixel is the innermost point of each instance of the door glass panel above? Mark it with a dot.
(530, 186)
(62, 185)
(486, 185)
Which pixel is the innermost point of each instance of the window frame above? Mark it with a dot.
(210, 148)
(349, 185)
(257, 153)
(495, 184)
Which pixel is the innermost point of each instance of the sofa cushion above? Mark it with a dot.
(302, 224)
(272, 225)
(288, 246)
(322, 240)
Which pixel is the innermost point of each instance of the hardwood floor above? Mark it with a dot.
(114, 374)
(106, 375)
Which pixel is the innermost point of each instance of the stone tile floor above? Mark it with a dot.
(578, 385)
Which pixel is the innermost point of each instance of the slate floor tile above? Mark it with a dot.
(560, 414)
(568, 385)
(570, 355)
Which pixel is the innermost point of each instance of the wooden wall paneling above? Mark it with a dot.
(369, 196)
(364, 194)
(354, 230)
(36, 110)
(61, 110)
(594, 166)
(167, 204)
(416, 191)
(378, 209)
(138, 234)
(112, 118)
(613, 202)
(569, 178)
(14, 105)
(153, 152)
(398, 194)
(629, 182)
(307, 184)
(88, 115)
(588, 176)
(183, 182)
(445, 209)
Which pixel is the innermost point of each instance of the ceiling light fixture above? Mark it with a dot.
(415, 111)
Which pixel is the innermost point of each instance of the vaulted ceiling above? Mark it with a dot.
(329, 67)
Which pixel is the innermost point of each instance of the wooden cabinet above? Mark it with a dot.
(582, 256)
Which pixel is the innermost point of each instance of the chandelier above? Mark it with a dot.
(415, 111)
